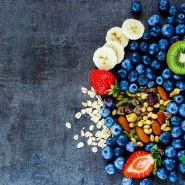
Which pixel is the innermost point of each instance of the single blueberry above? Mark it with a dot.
(132, 76)
(173, 177)
(166, 73)
(123, 85)
(116, 130)
(161, 56)
(182, 110)
(146, 35)
(182, 167)
(165, 138)
(136, 7)
(180, 29)
(168, 85)
(127, 64)
(183, 7)
(153, 49)
(151, 84)
(176, 131)
(180, 18)
(178, 99)
(110, 169)
(175, 120)
(135, 57)
(163, 5)
(121, 74)
(133, 45)
(140, 68)
(162, 173)
(170, 152)
(131, 147)
(127, 181)
(119, 163)
(150, 73)
(142, 80)
(178, 143)
(167, 30)
(111, 141)
(107, 152)
(155, 31)
(159, 80)
(122, 140)
(177, 77)
(105, 112)
(146, 59)
(149, 146)
(163, 44)
(118, 151)
(133, 88)
(173, 10)
(180, 85)
(109, 121)
(172, 107)
(183, 125)
(169, 164)
(153, 20)
(171, 19)
(143, 47)
(155, 64)
(146, 181)
(174, 38)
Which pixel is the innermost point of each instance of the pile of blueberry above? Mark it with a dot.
(146, 66)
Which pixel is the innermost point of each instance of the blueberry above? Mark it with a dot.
(178, 99)
(180, 29)
(180, 154)
(171, 19)
(159, 80)
(136, 7)
(183, 182)
(110, 169)
(133, 88)
(116, 130)
(175, 120)
(127, 64)
(119, 163)
(131, 147)
(182, 167)
(177, 77)
(143, 47)
(167, 30)
(173, 177)
(142, 80)
(151, 84)
(155, 31)
(109, 121)
(170, 151)
(121, 74)
(172, 107)
(111, 141)
(108, 101)
(163, 44)
(163, 5)
(123, 85)
(166, 73)
(178, 143)
(149, 146)
(153, 49)
(176, 131)
(174, 38)
(146, 59)
(127, 181)
(161, 56)
(140, 68)
(155, 64)
(118, 151)
(132, 76)
(183, 125)
(134, 46)
(183, 7)
(122, 140)
(135, 57)
(146, 181)
(165, 137)
(180, 85)
(150, 73)
(182, 110)
(169, 164)
(173, 10)
(162, 173)
(107, 152)
(153, 20)
(168, 85)
(104, 112)
(180, 18)
(146, 35)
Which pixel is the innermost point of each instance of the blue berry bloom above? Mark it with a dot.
(153, 20)
(107, 152)
(146, 59)
(176, 131)
(180, 18)
(140, 68)
(174, 38)
(142, 80)
(173, 10)
(155, 31)
(122, 140)
(183, 7)
(131, 147)
(119, 163)
(168, 85)
(134, 46)
(149, 146)
(167, 30)
(169, 164)
(161, 56)
(155, 64)
(150, 73)
(111, 141)
(109, 121)
(180, 29)
(127, 181)
(108, 101)
(118, 151)
(127, 64)
(146, 181)
(175, 120)
(133, 88)
(153, 49)
(121, 74)
(165, 138)
(166, 73)
(136, 7)
(172, 108)
(171, 19)
(116, 130)
(151, 84)
(146, 35)
(163, 44)
(135, 57)
(110, 169)
(163, 5)
(180, 85)
(132, 76)
(105, 112)
(178, 99)
(143, 47)
(178, 143)
(182, 110)
(183, 125)
(177, 77)
(173, 177)
(162, 173)
(182, 167)
(180, 154)
(159, 80)
(170, 152)
(123, 85)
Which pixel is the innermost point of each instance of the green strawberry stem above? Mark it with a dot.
(114, 90)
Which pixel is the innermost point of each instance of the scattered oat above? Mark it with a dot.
(89, 141)
(91, 127)
(94, 149)
(78, 115)
(84, 90)
(68, 125)
(80, 145)
(82, 133)
(76, 137)
(89, 103)
(84, 104)
(83, 111)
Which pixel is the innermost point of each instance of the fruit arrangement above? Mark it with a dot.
(139, 77)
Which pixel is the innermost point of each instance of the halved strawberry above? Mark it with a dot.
(139, 165)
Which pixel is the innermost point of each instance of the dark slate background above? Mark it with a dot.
(46, 49)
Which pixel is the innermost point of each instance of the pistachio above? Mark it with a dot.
(131, 117)
(162, 107)
(176, 91)
(119, 103)
(120, 97)
(130, 94)
(125, 100)
(158, 97)
(143, 109)
(138, 94)
(136, 137)
(137, 109)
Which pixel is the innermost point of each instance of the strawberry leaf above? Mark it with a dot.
(155, 167)
(182, 158)
(126, 133)
(154, 149)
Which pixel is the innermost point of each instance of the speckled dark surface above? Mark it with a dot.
(46, 49)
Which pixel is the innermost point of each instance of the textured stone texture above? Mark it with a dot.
(46, 49)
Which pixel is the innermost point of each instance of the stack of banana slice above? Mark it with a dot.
(117, 39)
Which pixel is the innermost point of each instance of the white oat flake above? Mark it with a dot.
(80, 145)
(68, 125)
(94, 149)
(78, 115)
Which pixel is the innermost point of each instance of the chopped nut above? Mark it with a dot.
(144, 96)
(150, 114)
(139, 144)
(145, 104)
(78, 115)
(80, 145)
(147, 131)
(76, 137)
(161, 102)
(146, 126)
(156, 139)
(167, 129)
(166, 102)
(176, 91)
(156, 105)
(154, 116)
(131, 125)
(145, 118)
(163, 126)
(68, 125)
(150, 109)
(148, 122)
(133, 139)
(140, 124)
(143, 109)
(131, 117)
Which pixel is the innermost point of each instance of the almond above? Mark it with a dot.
(156, 128)
(162, 93)
(142, 136)
(124, 123)
(161, 118)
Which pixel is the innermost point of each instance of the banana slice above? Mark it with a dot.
(105, 58)
(117, 48)
(116, 34)
(133, 29)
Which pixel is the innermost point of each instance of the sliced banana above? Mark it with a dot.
(133, 29)
(105, 58)
(116, 34)
(117, 48)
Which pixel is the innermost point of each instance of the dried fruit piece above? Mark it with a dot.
(162, 93)
(161, 118)
(142, 136)
(156, 128)
(124, 123)
(151, 99)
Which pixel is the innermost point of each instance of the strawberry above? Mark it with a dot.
(139, 165)
(102, 80)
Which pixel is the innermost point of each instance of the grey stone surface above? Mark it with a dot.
(46, 49)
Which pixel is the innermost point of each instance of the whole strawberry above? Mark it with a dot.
(101, 80)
